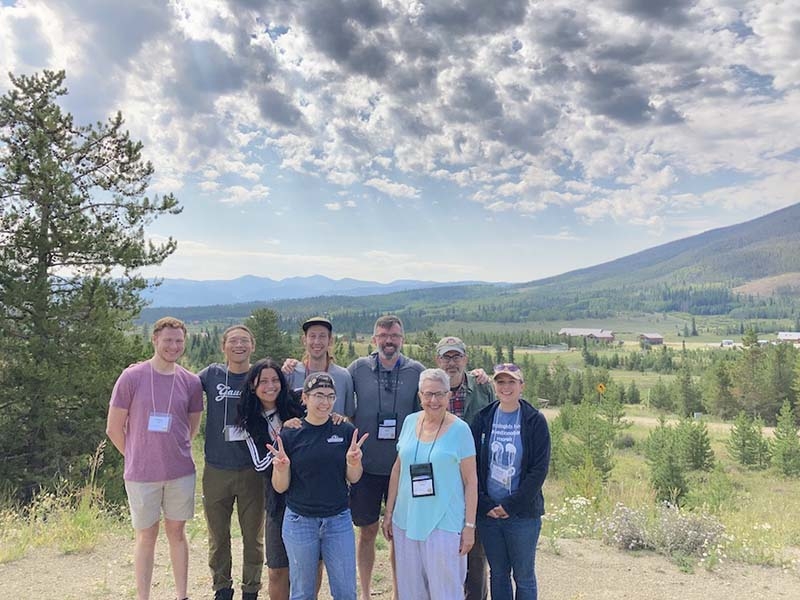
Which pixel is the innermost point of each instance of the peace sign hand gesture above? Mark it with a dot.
(354, 453)
(280, 460)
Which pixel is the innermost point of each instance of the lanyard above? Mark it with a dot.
(152, 389)
(396, 368)
(436, 437)
(225, 391)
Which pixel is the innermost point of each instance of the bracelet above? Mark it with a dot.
(470, 525)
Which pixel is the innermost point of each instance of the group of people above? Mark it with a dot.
(446, 465)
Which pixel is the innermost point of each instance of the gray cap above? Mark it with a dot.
(450, 344)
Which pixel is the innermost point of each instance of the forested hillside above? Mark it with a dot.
(696, 275)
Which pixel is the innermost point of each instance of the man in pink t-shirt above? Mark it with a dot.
(154, 413)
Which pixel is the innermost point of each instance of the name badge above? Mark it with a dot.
(387, 426)
(159, 422)
(422, 480)
(501, 474)
(234, 433)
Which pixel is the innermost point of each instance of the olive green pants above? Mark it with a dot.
(221, 489)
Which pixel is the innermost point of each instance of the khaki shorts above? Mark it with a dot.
(147, 498)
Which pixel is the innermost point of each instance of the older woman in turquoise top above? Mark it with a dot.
(430, 510)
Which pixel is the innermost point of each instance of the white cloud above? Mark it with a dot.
(390, 188)
(237, 194)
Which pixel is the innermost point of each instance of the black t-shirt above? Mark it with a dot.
(318, 455)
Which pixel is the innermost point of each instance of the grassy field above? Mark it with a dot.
(760, 510)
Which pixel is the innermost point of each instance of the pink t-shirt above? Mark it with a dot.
(152, 455)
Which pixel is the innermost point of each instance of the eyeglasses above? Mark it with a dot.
(320, 397)
(446, 358)
(508, 367)
(432, 395)
(389, 336)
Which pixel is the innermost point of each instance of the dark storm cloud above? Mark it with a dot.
(278, 108)
(667, 12)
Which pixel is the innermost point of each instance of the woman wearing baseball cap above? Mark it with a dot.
(513, 444)
(313, 465)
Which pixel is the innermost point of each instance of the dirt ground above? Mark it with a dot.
(567, 570)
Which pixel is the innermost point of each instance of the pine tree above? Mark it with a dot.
(633, 395)
(270, 340)
(686, 394)
(664, 455)
(747, 444)
(786, 446)
(718, 397)
(695, 445)
(72, 210)
(660, 398)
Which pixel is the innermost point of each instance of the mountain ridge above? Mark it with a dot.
(756, 257)
(252, 288)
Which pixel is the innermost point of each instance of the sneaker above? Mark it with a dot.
(224, 594)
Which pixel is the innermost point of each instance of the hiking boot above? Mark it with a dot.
(224, 594)
(249, 595)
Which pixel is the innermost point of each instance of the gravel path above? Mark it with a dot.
(567, 570)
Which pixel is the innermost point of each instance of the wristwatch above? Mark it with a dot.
(470, 525)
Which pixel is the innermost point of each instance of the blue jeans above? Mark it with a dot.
(305, 539)
(510, 546)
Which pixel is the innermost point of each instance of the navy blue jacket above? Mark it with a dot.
(528, 500)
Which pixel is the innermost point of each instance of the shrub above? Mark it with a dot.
(585, 480)
(575, 518)
(712, 491)
(668, 531)
(625, 529)
(624, 441)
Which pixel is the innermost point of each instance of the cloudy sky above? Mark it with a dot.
(431, 139)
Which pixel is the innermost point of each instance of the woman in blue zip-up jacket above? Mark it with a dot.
(513, 455)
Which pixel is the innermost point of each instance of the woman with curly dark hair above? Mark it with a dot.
(265, 408)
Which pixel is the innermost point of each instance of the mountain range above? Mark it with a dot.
(760, 257)
(249, 288)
